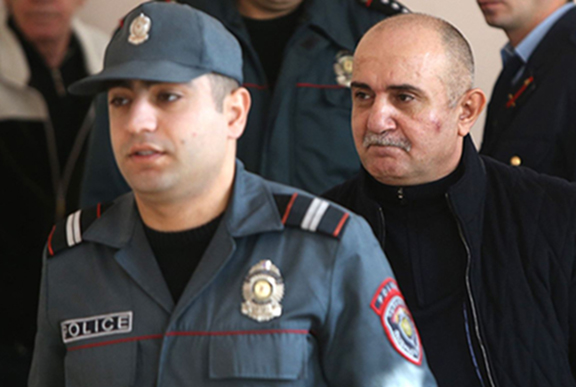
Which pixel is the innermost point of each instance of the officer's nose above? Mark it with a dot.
(381, 116)
(142, 116)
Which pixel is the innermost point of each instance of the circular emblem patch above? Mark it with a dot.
(139, 29)
(397, 321)
(344, 63)
(262, 290)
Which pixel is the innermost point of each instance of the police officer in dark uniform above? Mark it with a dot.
(297, 66)
(207, 274)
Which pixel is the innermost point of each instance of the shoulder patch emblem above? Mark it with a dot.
(68, 232)
(388, 7)
(397, 321)
(312, 214)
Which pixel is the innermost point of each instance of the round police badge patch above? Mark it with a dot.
(397, 321)
(139, 29)
(262, 290)
(343, 66)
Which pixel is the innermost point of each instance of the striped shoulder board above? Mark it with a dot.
(68, 232)
(387, 7)
(312, 214)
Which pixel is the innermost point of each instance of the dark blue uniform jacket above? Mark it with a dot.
(540, 129)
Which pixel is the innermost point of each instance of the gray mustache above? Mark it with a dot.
(386, 139)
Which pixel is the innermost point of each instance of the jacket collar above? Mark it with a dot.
(328, 16)
(466, 196)
(252, 210)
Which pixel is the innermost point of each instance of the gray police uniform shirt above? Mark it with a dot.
(291, 291)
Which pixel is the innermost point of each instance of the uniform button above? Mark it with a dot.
(515, 161)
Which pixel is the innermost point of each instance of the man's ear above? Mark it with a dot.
(236, 108)
(469, 108)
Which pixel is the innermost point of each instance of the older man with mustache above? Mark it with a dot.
(484, 253)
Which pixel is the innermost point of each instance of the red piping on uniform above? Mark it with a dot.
(512, 101)
(255, 86)
(289, 207)
(314, 86)
(240, 333)
(341, 224)
(99, 210)
(368, 3)
(192, 333)
(126, 340)
(50, 241)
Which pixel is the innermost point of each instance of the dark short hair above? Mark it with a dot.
(221, 87)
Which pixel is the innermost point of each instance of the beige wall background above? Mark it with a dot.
(464, 14)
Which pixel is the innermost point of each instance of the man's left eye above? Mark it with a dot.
(405, 97)
(168, 97)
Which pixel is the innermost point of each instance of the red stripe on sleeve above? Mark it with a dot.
(341, 224)
(99, 210)
(255, 86)
(50, 241)
(289, 207)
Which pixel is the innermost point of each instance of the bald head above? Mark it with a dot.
(427, 35)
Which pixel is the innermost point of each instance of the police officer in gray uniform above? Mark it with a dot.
(287, 290)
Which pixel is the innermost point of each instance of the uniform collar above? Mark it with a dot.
(328, 16)
(466, 195)
(252, 210)
(527, 46)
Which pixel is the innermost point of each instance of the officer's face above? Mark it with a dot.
(170, 140)
(404, 128)
(517, 16)
(43, 20)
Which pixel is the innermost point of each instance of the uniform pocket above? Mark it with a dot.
(106, 365)
(258, 356)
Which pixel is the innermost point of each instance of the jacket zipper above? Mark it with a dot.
(470, 296)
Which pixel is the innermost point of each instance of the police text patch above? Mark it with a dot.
(397, 321)
(95, 326)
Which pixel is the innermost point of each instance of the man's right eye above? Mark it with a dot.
(118, 101)
(360, 95)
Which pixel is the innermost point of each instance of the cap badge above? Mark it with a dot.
(139, 29)
(262, 290)
(343, 66)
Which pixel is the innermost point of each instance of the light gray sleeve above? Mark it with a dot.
(369, 338)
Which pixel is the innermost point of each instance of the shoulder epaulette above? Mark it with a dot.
(312, 214)
(388, 7)
(68, 232)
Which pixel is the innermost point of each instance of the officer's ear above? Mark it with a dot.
(236, 108)
(469, 108)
